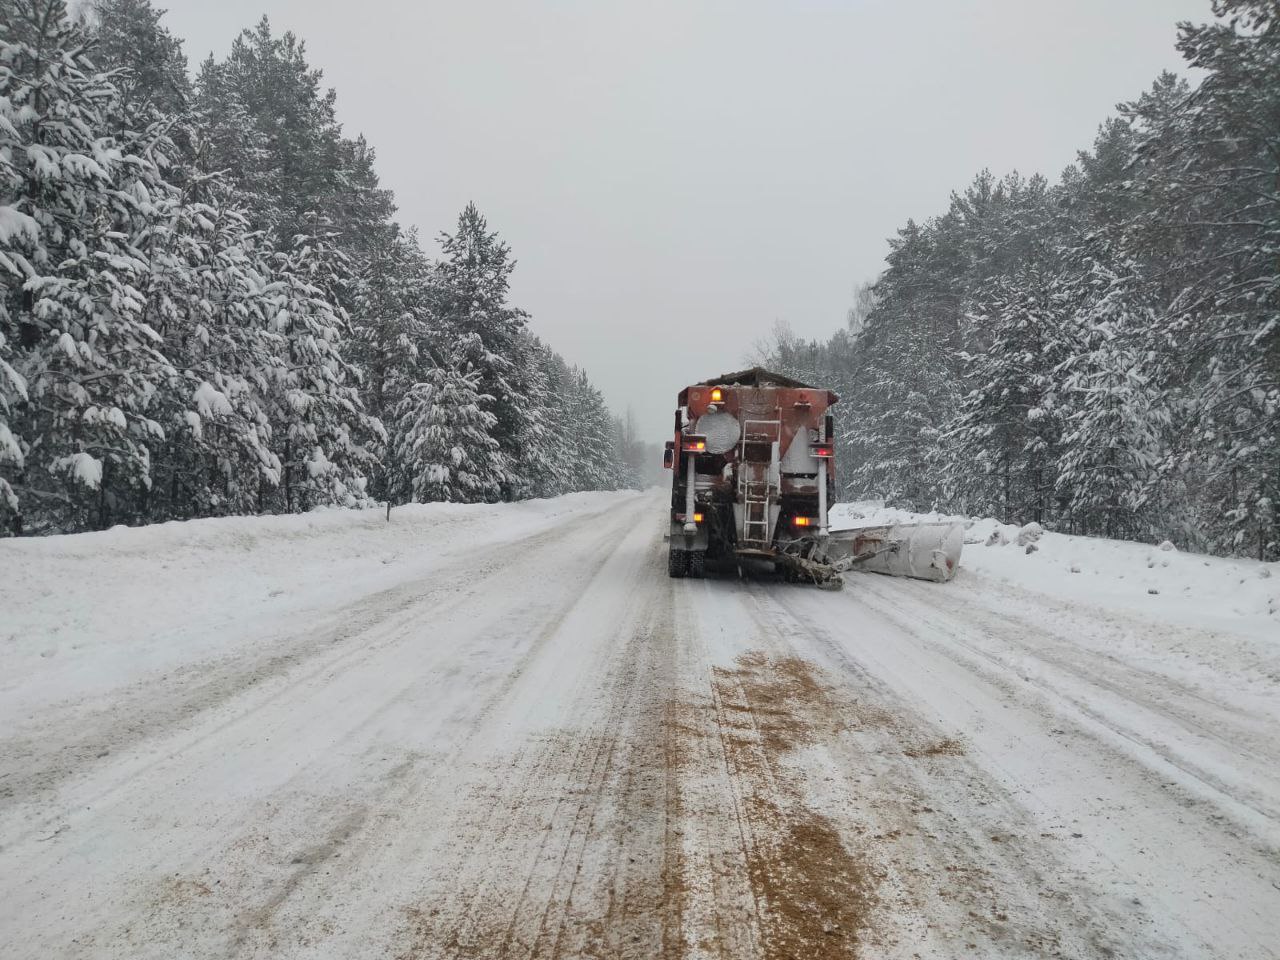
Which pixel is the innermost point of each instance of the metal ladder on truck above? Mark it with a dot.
(755, 489)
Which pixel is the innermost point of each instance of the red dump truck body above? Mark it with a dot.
(752, 461)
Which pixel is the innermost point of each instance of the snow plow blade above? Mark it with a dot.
(926, 551)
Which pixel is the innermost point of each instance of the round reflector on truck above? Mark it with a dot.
(721, 429)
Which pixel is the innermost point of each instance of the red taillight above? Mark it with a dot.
(693, 444)
(697, 517)
(802, 521)
(822, 450)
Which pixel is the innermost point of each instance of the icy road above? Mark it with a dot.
(504, 732)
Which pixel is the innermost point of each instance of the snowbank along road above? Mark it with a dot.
(504, 732)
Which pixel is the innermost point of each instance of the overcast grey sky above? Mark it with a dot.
(676, 176)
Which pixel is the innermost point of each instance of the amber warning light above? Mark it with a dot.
(716, 395)
(803, 521)
(692, 444)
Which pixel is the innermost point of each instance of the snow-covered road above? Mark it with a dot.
(504, 732)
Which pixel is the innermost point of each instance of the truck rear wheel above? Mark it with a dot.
(697, 563)
(677, 562)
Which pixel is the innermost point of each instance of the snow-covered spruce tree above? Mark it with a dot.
(472, 282)
(168, 346)
(444, 449)
(569, 440)
(391, 328)
(907, 390)
(77, 195)
(543, 463)
(207, 299)
(392, 294)
(631, 452)
(1114, 425)
(1008, 425)
(589, 432)
(319, 427)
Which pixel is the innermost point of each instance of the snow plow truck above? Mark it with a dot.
(753, 476)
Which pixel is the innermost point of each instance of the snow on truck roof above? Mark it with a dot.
(756, 377)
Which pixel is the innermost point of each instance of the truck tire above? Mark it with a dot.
(697, 563)
(677, 562)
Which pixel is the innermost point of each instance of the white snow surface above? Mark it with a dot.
(211, 401)
(504, 731)
(17, 227)
(207, 588)
(85, 467)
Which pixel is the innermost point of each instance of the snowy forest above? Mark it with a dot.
(1100, 354)
(210, 309)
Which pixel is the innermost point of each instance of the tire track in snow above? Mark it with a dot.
(961, 866)
(77, 737)
(416, 790)
(772, 875)
(1128, 869)
(548, 816)
(1121, 706)
(298, 812)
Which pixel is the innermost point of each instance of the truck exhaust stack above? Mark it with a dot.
(752, 465)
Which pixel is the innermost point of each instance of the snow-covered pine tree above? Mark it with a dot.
(130, 38)
(1212, 164)
(276, 132)
(206, 298)
(899, 371)
(444, 449)
(234, 144)
(361, 207)
(291, 116)
(206, 270)
(1177, 202)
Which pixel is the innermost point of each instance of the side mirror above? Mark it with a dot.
(669, 455)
